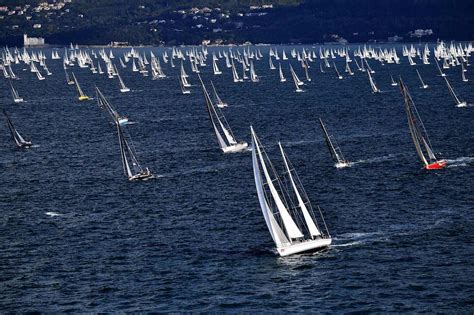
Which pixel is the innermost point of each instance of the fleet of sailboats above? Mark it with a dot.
(294, 225)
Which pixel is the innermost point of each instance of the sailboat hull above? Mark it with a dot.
(462, 104)
(436, 165)
(235, 148)
(304, 247)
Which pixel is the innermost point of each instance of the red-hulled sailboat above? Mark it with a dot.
(419, 134)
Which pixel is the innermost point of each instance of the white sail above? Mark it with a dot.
(292, 230)
(313, 230)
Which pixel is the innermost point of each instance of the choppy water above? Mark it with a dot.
(77, 236)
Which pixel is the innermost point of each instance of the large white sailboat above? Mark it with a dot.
(288, 213)
(224, 134)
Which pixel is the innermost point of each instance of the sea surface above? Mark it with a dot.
(77, 236)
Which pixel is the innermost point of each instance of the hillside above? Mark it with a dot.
(189, 22)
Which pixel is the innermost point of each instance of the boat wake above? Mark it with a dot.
(462, 161)
(375, 160)
(354, 239)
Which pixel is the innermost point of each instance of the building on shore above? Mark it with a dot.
(32, 41)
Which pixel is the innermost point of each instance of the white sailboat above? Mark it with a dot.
(423, 85)
(282, 77)
(219, 101)
(123, 87)
(463, 73)
(338, 75)
(224, 134)
(334, 150)
(16, 97)
(393, 83)
(296, 80)
(418, 133)
(457, 101)
(131, 167)
(184, 85)
(280, 208)
(17, 138)
(373, 86)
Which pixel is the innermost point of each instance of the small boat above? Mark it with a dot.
(282, 77)
(224, 134)
(16, 97)
(393, 83)
(338, 75)
(334, 150)
(183, 85)
(296, 80)
(423, 85)
(463, 73)
(419, 134)
(219, 101)
(82, 96)
(288, 213)
(131, 167)
(68, 79)
(19, 140)
(457, 101)
(373, 86)
(123, 87)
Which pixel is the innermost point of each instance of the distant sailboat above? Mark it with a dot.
(131, 167)
(16, 97)
(296, 80)
(457, 101)
(219, 101)
(19, 140)
(419, 134)
(338, 75)
(224, 134)
(183, 85)
(334, 150)
(423, 85)
(373, 86)
(82, 96)
(393, 83)
(282, 77)
(289, 215)
(463, 73)
(123, 87)
(68, 79)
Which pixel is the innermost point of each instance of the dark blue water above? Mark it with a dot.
(194, 239)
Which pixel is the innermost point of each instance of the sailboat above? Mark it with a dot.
(457, 101)
(393, 83)
(334, 150)
(338, 75)
(131, 167)
(296, 80)
(289, 216)
(123, 87)
(183, 84)
(219, 101)
(373, 86)
(419, 134)
(68, 79)
(19, 140)
(224, 134)
(16, 97)
(423, 85)
(463, 73)
(82, 96)
(105, 104)
(282, 77)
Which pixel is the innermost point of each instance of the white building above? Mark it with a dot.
(32, 41)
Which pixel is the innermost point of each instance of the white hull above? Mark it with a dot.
(125, 90)
(462, 104)
(305, 246)
(342, 164)
(18, 100)
(221, 105)
(235, 148)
